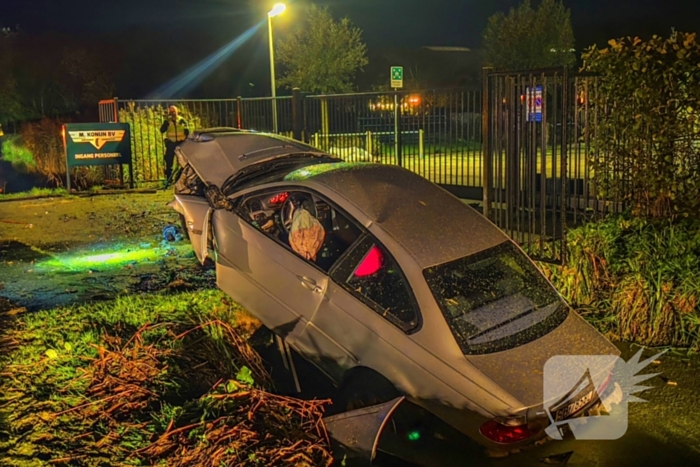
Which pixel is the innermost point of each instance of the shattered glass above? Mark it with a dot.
(495, 300)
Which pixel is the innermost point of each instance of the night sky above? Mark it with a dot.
(190, 30)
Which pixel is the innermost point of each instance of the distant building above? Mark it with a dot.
(447, 49)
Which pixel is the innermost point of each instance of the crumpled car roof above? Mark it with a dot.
(434, 226)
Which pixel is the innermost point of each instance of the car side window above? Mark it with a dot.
(370, 273)
(304, 223)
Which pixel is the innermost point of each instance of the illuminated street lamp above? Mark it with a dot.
(278, 9)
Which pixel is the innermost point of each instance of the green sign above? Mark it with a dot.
(396, 76)
(88, 144)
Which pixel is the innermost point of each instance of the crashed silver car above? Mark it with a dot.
(386, 282)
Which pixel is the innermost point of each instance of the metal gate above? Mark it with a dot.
(527, 145)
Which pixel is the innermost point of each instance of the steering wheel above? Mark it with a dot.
(290, 206)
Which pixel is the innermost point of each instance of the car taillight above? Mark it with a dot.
(506, 434)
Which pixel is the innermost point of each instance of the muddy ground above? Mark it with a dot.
(60, 251)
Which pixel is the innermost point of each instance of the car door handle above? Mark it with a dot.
(310, 284)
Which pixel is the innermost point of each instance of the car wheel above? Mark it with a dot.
(366, 388)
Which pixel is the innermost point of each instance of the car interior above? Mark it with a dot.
(273, 213)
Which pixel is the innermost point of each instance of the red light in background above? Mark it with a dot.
(371, 264)
(414, 100)
(280, 198)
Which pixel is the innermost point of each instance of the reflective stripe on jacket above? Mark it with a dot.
(175, 132)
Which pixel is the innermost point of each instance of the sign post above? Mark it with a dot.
(533, 102)
(397, 83)
(90, 144)
(397, 77)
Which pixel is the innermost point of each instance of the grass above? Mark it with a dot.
(635, 279)
(35, 192)
(138, 380)
(462, 164)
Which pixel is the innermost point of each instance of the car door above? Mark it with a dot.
(368, 303)
(292, 287)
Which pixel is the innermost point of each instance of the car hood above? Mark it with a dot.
(520, 370)
(217, 157)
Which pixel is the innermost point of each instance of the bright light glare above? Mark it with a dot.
(277, 10)
(190, 78)
(115, 259)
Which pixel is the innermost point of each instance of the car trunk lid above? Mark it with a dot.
(520, 370)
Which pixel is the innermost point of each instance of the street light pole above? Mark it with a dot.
(272, 76)
(276, 10)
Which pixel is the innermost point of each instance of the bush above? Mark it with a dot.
(18, 155)
(636, 279)
(39, 150)
(648, 123)
(43, 140)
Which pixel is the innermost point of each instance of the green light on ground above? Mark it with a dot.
(414, 436)
(111, 260)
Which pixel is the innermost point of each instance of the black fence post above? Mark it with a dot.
(397, 130)
(297, 114)
(564, 158)
(486, 142)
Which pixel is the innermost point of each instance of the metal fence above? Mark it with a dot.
(542, 165)
(436, 134)
(147, 116)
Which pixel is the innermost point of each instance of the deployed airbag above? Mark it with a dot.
(306, 235)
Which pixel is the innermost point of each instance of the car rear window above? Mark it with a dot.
(495, 300)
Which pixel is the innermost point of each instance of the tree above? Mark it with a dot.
(323, 55)
(528, 38)
(49, 75)
(10, 105)
(648, 127)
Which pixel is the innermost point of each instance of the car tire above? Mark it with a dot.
(364, 388)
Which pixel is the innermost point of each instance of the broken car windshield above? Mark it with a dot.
(274, 169)
(495, 300)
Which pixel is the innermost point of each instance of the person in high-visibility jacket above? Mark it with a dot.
(175, 130)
